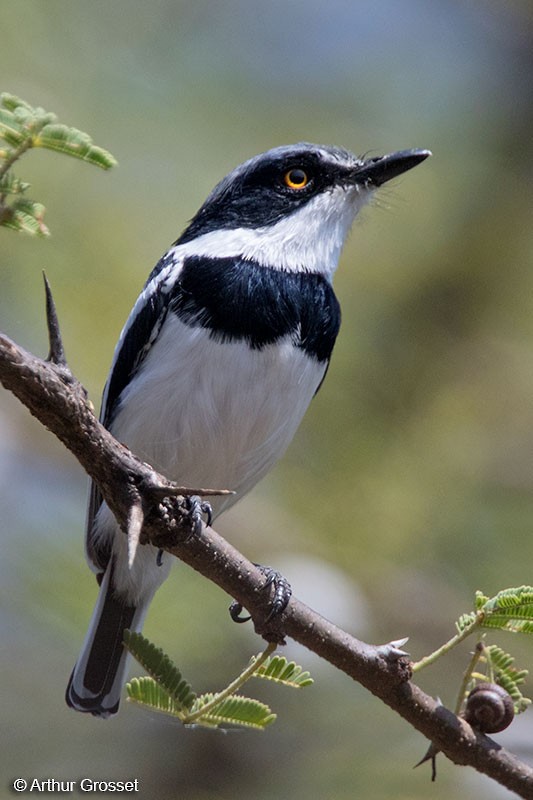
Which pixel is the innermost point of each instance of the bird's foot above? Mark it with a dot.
(192, 510)
(281, 592)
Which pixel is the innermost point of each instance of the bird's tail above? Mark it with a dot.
(96, 682)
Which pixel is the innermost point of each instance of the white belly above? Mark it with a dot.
(215, 415)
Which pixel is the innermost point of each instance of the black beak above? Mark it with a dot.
(377, 171)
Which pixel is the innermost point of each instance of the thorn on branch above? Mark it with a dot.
(159, 489)
(56, 354)
(392, 650)
(431, 755)
(133, 530)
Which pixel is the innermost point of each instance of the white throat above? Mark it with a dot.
(311, 239)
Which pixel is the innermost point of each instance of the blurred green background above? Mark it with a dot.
(410, 482)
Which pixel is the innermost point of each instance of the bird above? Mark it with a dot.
(221, 355)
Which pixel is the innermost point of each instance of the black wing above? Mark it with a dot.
(138, 336)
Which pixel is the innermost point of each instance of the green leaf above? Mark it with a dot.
(73, 142)
(465, 621)
(287, 673)
(22, 126)
(235, 710)
(25, 215)
(160, 667)
(507, 676)
(19, 122)
(510, 610)
(12, 102)
(147, 692)
(9, 184)
(11, 130)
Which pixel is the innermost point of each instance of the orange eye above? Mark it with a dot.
(296, 179)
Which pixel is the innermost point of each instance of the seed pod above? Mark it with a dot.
(489, 708)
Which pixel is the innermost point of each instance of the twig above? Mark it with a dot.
(449, 645)
(234, 686)
(15, 155)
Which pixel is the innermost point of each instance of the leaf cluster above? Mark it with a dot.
(509, 610)
(23, 127)
(165, 689)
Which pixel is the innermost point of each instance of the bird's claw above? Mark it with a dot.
(235, 610)
(282, 590)
(194, 509)
(278, 602)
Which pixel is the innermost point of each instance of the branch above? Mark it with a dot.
(139, 498)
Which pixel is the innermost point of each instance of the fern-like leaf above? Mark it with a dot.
(147, 692)
(160, 667)
(25, 215)
(13, 103)
(234, 710)
(21, 128)
(508, 676)
(11, 129)
(465, 621)
(74, 143)
(510, 609)
(10, 184)
(20, 124)
(287, 673)
(480, 600)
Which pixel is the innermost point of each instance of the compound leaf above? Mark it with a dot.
(75, 143)
(510, 610)
(235, 710)
(507, 676)
(287, 673)
(160, 667)
(147, 692)
(25, 215)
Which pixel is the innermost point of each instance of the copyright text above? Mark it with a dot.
(37, 785)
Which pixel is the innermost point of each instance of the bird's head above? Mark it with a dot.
(292, 207)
